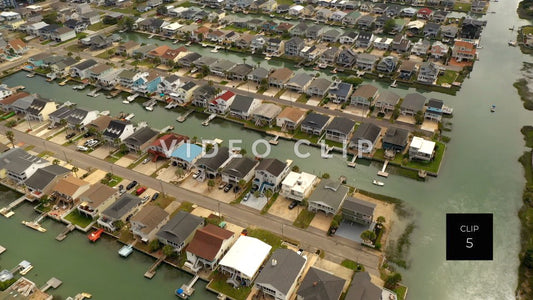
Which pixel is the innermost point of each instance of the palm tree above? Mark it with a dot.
(268, 193)
(55, 162)
(380, 220)
(242, 183)
(368, 236)
(179, 172)
(11, 137)
(75, 170)
(210, 184)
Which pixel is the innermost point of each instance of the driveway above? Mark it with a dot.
(101, 152)
(321, 221)
(126, 160)
(281, 209)
(257, 203)
(249, 87)
(290, 96)
(96, 176)
(148, 168)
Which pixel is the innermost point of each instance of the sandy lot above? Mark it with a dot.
(335, 269)
(290, 95)
(201, 187)
(430, 125)
(148, 168)
(95, 176)
(101, 152)
(321, 221)
(356, 111)
(406, 119)
(167, 174)
(280, 209)
(313, 102)
(33, 125)
(126, 160)
(248, 86)
(271, 92)
(201, 212)
(172, 207)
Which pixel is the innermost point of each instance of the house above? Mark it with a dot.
(62, 67)
(431, 30)
(96, 199)
(244, 259)
(275, 46)
(91, 17)
(17, 46)
(439, 50)
(69, 189)
(290, 118)
(339, 129)
(239, 72)
(365, 137)
(364, 39)
(366, 61)
(388, 64)
(401, 43)
(171, 56)
(44, 179)
(337, 16)
(328, 57)
(440, 16)
(100, 124)
(221, 103)
(221, 67)
(348, 37)
(463, 51)
(299, 82)
(258, 43)
(299, 30)
(258, 74)
(364, 95)
(471, 28)
(202, 94)
(381, 21)
(412, 103)
(449, 31)
(237, 169)
(421, 47)
(280, 275)
(186, 155)
(165, 145)
(171, 29)
(379, 8)
(318, 87)
(340, 92)
(283, 28)
(421, 149)
(20, 105)
(387, 101)
(184, 92)
(79, 118)
(323, 14)
(157, 52)
(142, 51)
(18, 165)
(5, 92)
(243, 106)
(244, 41)
(294, 46)
(169, 84)
(62, 34)
(5, 103)
(328, 197)
(265, 114)
(434, 109)
(179, 230)
(117, 131)
(408, 12)
(407, 69)
(141, 139)
(148, 221)
(319, 282)
(424, 13)
(152, 24)
(283, 9)
(358, 211)
(393, 10)
(479, 7)
(351, 18)
(428, 73)
(269, 174)
(213, 161)
(382, 43)
(147, 83)
(208, 246)
(96, 42)
(39, 109)
(99, 70)
(314, 123)
(314, 32)
(365, 22)
(362, 288)
(280, 77)
(189, 59)
(297, 186)
(347, 58)
(331, 36)
(395, 139)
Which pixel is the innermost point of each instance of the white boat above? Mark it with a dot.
(379, 183)
(493, 108)
(150, 108)
(129, 117)
(125, 251)
(30, 75)
(105, 113)
(512, 43)
(132, 97)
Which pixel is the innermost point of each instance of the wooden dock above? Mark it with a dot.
(63, 235)
(209, 119)
(151, 272)
(94, 93)
(274, 141)
(328, 150)
(2, 249)
(352, 163)
(382, 173)
(187, 290)
(7, 211)
(52, 283)
(62, 83)
(184, 116)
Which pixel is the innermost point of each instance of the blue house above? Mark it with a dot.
(434, 109)
(186, 155)
(147, 83)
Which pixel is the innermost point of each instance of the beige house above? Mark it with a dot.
(290, 118)
(280, 77)
(69, 189)
(147, 222)
(96, 199)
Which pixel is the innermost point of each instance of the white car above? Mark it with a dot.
(146, 160)
(195, 175)
(82, 148)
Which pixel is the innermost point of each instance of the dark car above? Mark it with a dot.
(236, 189)
(120, 187)
(87, 134)
(228, 187)
(293, 204)
(155, 196)
(131, 185)
(70, 135)
(254, 188)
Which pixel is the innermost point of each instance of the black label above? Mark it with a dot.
(469, 237)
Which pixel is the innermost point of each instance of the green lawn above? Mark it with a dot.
(78, 219)
(97, 26)
(75, 48)
(460, 6)
(129, 10)
(380, 154)
(184, 206)
(527, 30)
(281, 2)
(432, 166)
(266, 236)
(401, 291)
(107, 54)
(164, 200)
(269, 203)
(448, 77)
(114, 181)
(298, 134)
(350, 264)
(219, 284)
(304, 219)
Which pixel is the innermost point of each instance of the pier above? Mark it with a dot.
(62, 83)
(352, 163)
(166, 129)
(63, 235)
(393, 85)
(328, 150)
(382, 172)
(209, 119)
(184, 116)
(7, 211)
(51, 283)
(130, 98)
(274, 141)
(187, 290)
(151, 272)
(113, 93)
(35, 224)
(94, 93)
(2, 249)
(79, 87)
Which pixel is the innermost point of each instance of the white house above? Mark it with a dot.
(421, 149)
(297, 186)
(269, 174)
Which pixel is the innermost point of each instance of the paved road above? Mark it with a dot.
(336, 248)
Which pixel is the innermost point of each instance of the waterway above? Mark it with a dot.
(480, 173)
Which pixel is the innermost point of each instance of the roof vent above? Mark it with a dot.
(315, 283)
(274, 262)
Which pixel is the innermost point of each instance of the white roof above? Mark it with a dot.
(8, 14)
(297, 7)
(299, 181)
(173, 26)
(383, 40)
(246, 255)
(423, 146)
(415, 24)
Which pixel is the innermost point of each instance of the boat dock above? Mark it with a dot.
(35, 224)
(82, 296)
(187, 290)
(130, 98)
(52, 283)
(7, 211)
(274, 141)
(393, 85)
(63, 235)
(209, 119)
(94, 93)
(23, 268)
(184, 116)
(328, 150)
(447, 110)
(129, 117)
(168, 128)
(62, 83)
(151, 272)
(352, 163)
(2, 249)
(149, 105)
(382, 172)
(79, 87)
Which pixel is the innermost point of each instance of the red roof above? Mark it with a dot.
(168, 139)
(464, 47)
(12, 98)
(207, 241)
(425, 11)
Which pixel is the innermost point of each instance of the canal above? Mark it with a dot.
(480, 173)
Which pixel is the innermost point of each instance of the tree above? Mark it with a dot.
(392, 281)
(179, 172)
(11, 124)
(368, 236)
(242, 183)
(55, 162)
(11, 137)
(210, 184)
(419, 117)
(296, 169)
(528, 259)
(168, 250)
(50, 18)
(243, 152)
(388, 26)
(268, 193)
(257, 194)
(162, 10)
(126, 23)
(75, 170)
(326, 176)
(380, 220)
(154, 245)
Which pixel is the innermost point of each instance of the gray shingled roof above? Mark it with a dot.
(340, 124)
(388, 97)
(362, 288)
(179, 227)
(329, 192)
(241, 103)
(414, 102)
(271, 165)
(366, 131)
(239, 166)
(359, 205)
(315, 120)
(282, 270)
(396, 136)
(43, 176)
(321, 285)
(216, 161)
(124, 204)
(140, 136)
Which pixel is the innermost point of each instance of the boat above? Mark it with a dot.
(379, 183)
(95, 235)
(105, 113)
(30, 75)
(24, 267)
(188, 43)
(26, 270)
(334, 71)
(132, 97)
(512, 43)
(129, 117)
(493, 108)
(125, 251)
(322, 66)
(150, 108)
(511, 28)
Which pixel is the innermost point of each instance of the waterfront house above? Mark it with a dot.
(244, 41)
(412, 103)
(340, 91)
(44, 179)
(365, 137)
(96, 199)
(366, 61)
(120, 210)
(424, 13)
(147, 83)
(428, 73)
(171, 29)
(96, 42)
(126, 49)
(171, 56)
(269, 174)
(365, 22)
(81, 70)
(5, 103)
(39, 109)
(431, 30)
(79, 118)
(208, 246)
(471, 28)
(314, 123)
(351, 18)
(421, 47)
(299, 30)
(243, 106)
(364, 95)
(319, 282)
(152, 24)
(37, 60)
(299, 82)
(289, 118)
(186, 155)
(239, 72)
(62, 68)
(59, 114)
(258, 43)
(358, 211)
(221, 103)
(401, 43)
(20, 105)
(117, 131)
(318, 87)
(395, 139)
(165, 145)
(388, 64)
(280, 274)
(348, 37)
(346, 58)
(382, 43)
(386, 101)
(243, 260)
(478, 6)
(98, 71)
(237, 169)
(18, 165)
(205, 62)
(283, 28)
(449, 31)
(179, 230)
(221, 67)
(100, 124)
(67, 190)
(258, 74)
(421, 149)
(314, 32)
(265, 114)
(331, 36)
(202, 94)
(142, 51)
(148, 221)
(294, 46)
(213, 161)
(434, 109)
(439, 50)
(363, 288)
(339, 129)
(407, 69)
(109, 80)
(62, 34)
(298, 186)
(328, 197)
(141, 139)
(328, 57)
(169, 84)
(184, 93)
(274, 46)
(280, 77)
(464, 51)
(189, 59)
(440, 16)
(364, 39)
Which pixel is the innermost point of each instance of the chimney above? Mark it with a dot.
(274, 262)
(315, 283)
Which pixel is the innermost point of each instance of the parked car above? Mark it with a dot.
(155, 196)
(228, 187)
(131, 185)
(244, 232)
(82, 148)
(87, 134)
(222, 185)
(195, 175)
(293, 204)
(246, 197)
(140, 190)
(70, 135)
(300, 251)
(236, 189)
(145, 198)
(146, 160)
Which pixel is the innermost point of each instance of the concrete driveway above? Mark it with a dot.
(321, 221)
(148, 168)
(253, 202)
(290, 95)
(126, 160)
(95, 176)
(249, 87)
(101, 152)
(281, 209)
